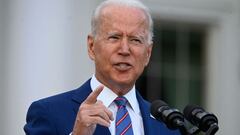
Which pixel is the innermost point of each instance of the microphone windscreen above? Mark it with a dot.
(189, 109)
(199, 117)
(155, 106)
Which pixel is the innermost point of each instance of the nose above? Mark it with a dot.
(124, 48)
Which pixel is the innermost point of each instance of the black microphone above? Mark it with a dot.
(205, 121)
(171, 117)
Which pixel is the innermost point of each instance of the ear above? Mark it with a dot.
(90, 42)
(149, 52)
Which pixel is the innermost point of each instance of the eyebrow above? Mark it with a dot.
(137, 36)
(129, 35)
(113, 33)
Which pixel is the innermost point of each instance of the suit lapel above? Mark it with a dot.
(80, 95)
(151, 125)
(145, 111)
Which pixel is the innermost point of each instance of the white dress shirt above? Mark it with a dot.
(107, 96)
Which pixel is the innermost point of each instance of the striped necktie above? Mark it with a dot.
(123, 121)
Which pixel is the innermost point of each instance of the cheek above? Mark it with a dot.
(102, 60)
(103, 57)
(141, 60)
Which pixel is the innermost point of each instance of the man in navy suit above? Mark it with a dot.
(120, 45)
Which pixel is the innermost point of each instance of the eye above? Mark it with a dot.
(136, 41)
(113, 38)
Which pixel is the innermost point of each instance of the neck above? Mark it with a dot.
(118, 89)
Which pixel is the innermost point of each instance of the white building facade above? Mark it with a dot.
(43, 52)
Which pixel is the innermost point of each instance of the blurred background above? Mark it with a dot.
(195, 56)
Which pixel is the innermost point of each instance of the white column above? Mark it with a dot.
(223, 89)
(45, 54)
(2, 64)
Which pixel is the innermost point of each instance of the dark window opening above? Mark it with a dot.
(175, 73)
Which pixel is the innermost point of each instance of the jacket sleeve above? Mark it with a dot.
(38, 121)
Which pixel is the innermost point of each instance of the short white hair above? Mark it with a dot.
(129, 3)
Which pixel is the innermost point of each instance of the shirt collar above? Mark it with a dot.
(131, 95)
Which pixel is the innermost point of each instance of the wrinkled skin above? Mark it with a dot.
(120, 51)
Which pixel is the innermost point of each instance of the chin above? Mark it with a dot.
(125, 81)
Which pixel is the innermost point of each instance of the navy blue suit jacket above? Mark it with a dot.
(56, 115)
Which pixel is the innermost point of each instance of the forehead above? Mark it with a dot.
(125, 18)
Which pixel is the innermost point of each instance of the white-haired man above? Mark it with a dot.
(120, 45)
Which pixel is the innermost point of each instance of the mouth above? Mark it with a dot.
(123, 66)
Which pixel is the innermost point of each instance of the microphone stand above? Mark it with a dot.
(182, 127)
(213, 129)
(194, 130)
(184, 131)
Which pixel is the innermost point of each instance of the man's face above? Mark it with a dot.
(120, 49)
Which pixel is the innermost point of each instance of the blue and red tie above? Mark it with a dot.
(123, 120)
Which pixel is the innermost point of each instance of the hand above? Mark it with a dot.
(92, 112)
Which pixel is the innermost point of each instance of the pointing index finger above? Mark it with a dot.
(92, 98)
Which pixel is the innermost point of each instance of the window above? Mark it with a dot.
(175, 73)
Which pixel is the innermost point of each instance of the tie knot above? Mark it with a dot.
(121, 101)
